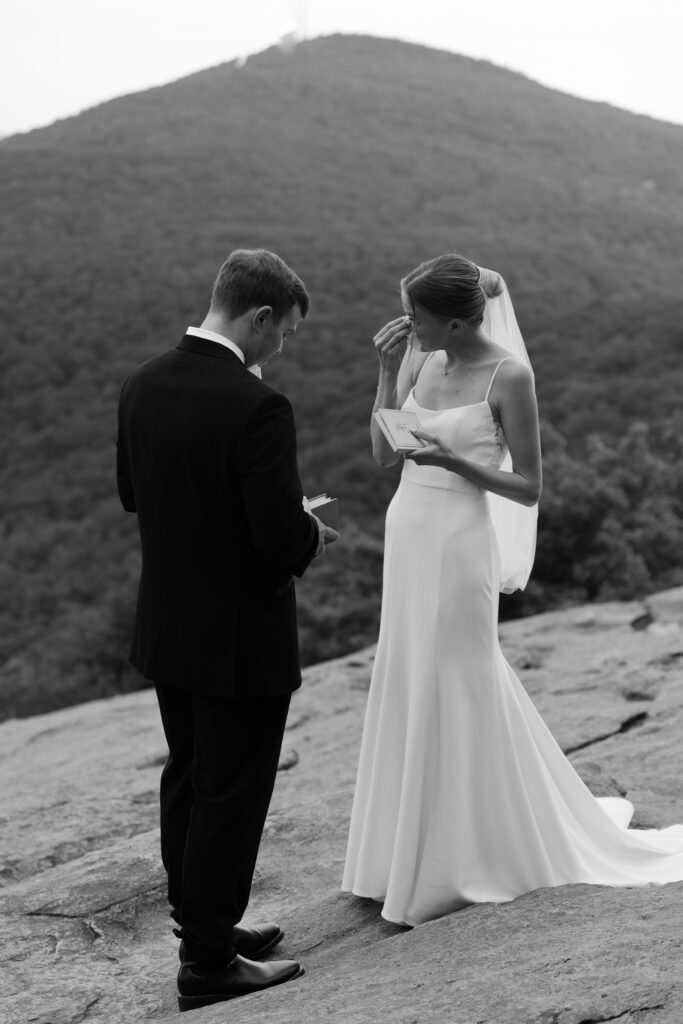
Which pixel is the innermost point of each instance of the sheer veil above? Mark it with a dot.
(514, 524)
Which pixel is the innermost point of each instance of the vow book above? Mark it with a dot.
(325, 508)
(396, 425)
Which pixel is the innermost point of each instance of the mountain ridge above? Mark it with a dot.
(338, 37)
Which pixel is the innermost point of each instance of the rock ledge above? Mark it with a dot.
(84, 930)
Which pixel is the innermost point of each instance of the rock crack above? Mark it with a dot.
(632, 722)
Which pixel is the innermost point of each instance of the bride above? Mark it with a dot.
(463, 796)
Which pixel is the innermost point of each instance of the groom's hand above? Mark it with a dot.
(326, 535)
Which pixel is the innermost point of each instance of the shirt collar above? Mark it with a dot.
(201, 332)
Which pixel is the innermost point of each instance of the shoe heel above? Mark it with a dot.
(196, 1002)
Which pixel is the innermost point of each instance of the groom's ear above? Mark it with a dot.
(261, 317)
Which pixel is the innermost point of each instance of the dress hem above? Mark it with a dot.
(381, 899)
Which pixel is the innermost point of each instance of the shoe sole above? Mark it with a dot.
(196, 1002)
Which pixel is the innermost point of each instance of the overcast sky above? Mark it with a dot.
(62, 56)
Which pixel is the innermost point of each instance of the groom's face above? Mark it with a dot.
(273, 334)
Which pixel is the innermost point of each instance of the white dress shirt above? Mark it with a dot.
(201, 332)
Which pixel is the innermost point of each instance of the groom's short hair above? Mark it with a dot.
(251, 278)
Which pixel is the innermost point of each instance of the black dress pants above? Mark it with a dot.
(215, 792)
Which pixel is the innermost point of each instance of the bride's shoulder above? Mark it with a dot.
(513, 366)
(506, 363)
(513, 376)
(413, 361)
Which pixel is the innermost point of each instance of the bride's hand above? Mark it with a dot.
(435, 453)
(390, 342)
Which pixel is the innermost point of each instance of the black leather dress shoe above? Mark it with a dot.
(257, 941)
(250, 942)
(240, 977)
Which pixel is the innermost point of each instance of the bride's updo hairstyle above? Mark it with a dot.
(452, 288)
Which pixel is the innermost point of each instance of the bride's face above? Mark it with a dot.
(429, 331)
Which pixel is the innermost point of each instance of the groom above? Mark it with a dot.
(206, 457)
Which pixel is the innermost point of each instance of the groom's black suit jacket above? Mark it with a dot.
(206, 456)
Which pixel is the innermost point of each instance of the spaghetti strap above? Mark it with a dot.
(493, 376)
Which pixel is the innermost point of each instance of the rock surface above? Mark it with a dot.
(84, 932)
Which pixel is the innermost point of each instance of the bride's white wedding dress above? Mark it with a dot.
(463, 796)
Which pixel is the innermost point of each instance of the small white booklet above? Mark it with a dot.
(396, 425)
(325, 508)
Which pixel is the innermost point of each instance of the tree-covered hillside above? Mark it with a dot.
(355, 159)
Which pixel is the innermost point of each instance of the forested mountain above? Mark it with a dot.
(355, 159)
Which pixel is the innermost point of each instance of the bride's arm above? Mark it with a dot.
(518, 411)
(399, 363)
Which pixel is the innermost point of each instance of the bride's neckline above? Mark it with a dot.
(468, 405)
(451, 408)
